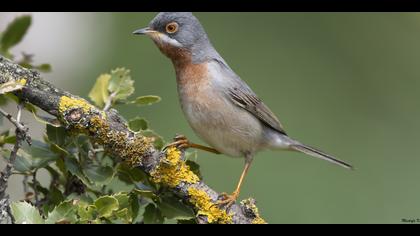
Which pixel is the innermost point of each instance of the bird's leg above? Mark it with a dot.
(227, 199)
(180, 141)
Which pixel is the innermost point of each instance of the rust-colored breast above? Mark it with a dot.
(192, 78)
(193, 85)
(189, 73)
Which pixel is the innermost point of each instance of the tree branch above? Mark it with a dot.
(109, 129)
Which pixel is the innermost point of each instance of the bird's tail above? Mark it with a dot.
(296, 146)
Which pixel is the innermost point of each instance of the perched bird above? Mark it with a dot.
(219, 106)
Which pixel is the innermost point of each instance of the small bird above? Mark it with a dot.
(219, 106)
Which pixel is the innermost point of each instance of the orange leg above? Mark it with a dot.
(228, 200)
(180, 141)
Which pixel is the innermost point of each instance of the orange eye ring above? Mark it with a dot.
(172, 27)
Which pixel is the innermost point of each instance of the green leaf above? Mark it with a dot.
(86, 212)
(65, 212)
(29, 107)
(99, 93)
(15, 32)
(135, 206)
(137, 124)
(3, 100)
(192, 221)
(57, 149)
(43, 68)
(123, 215)
(121, 84)
(106, 205)
(12, 97)
(119, 185)
(99, 175)
(173, 208)
(54, 197)
(125, 211)
(145, 193)
(36, 156)
(130, 174)
(73, 166)
(46, 120)
(25, 213)
(56, 135)
(152, 215)
(7, 139)
(10, 86)
(146, 100)
(123, 200)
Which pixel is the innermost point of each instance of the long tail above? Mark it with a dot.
(318, 154)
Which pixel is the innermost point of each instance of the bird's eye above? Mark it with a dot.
(172, 27)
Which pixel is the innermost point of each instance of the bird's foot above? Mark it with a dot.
(180, 142)
(228, 199)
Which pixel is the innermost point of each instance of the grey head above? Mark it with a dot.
(176, 32)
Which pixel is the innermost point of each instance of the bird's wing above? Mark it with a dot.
(245, 98)
(241, 95)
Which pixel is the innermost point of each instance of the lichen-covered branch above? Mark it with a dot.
(110, 130)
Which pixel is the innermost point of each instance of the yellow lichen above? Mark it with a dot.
(67, 103)
(130, 150)
(22, 82)
(95, 124)
(207, 207)
(258, 220)
(172, 170)
(250, 205)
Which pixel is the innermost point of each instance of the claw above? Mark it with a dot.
(180, 141)
(180, 137)
(227, 199)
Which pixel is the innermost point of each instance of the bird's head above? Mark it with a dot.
(176, 33)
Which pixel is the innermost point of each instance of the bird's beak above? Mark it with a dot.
(143, 31)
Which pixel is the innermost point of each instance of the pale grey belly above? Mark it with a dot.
(224, 126)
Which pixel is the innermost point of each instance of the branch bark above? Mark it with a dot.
(109, 129)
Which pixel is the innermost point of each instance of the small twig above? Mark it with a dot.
(13, 120)
(17, 123)
(7, 172)
(19, 113)
(35, 185)
(21, 135)
(92, 152)
(108, 103)
(9, 211)
(25, 184)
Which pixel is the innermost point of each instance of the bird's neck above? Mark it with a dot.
(200, 52)
(190, 64)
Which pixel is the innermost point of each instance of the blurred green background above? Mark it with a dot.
(348, 83)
